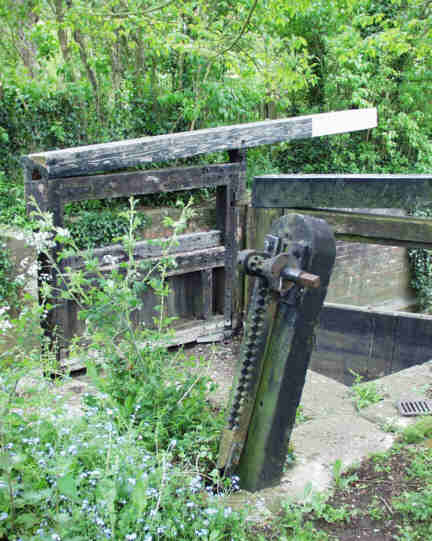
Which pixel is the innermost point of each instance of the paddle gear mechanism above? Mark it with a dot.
(292, 275)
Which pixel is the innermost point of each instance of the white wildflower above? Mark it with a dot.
(109, 259)
(63, 232)
(5, 325)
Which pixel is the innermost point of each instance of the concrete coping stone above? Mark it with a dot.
(413, 383)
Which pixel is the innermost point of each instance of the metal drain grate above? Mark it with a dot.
(415, 407)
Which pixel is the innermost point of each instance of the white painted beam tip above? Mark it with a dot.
(344, 121)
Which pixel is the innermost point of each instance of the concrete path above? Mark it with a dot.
(337, 431)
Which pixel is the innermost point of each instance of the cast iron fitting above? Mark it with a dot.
(277, 271)
(300, 277)
(251, 261)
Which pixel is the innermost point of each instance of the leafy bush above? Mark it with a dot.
(417, 432)
(12, 203)
(365, 393)
(139, 463)
(93, 228)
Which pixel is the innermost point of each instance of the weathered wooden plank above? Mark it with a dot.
(185, 262)
(198, 332)
(239, 237)
(136, 152)
(40, 198)
(144, 182)
(377, 228)
(197, 261)
(188, 266)
(233, 307)
(318, 191)
(36, 191)
(194, 331)
(207, 293)
(156, 248)
(370, 342)
(225, 221)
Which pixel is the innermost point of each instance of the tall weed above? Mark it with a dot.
(138, 464)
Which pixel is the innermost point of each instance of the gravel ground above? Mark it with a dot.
(218, 361)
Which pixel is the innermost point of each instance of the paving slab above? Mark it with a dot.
(324, 396)
(338, 432)
(318, 444)
(413, 383)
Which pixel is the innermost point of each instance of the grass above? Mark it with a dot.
(365, 394)
(387, 497)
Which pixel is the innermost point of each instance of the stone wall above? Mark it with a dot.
(371, 275)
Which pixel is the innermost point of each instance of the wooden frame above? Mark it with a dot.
(314, 193)
(361, 338)
(98, 171)
(195, 253)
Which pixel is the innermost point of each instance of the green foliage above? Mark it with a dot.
(419, 431)
(9, 287)
(86, 479)
(342, 480)
(301, 417)
(73, 76)
(94, 228)
(296, 519)
(376, 509)
(421, 267)
(36, 117)
(365, 394)
(137, 463)
(416, 505)
(260, 162)
(293, 526)
(317, 503)
(12, 203)
(366, 54)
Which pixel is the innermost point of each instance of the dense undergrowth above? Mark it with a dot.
(139, 463)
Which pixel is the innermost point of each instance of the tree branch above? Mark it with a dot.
(242, 31)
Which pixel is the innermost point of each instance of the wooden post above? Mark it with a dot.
(309, 244)
(207, 293)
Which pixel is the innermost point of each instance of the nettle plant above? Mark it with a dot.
(138, 464)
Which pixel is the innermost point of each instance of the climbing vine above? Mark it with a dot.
(421, 267)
